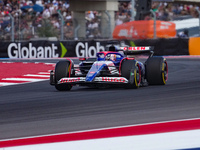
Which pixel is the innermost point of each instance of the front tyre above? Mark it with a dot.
(156, 70)
(130, 70)
(62, 70)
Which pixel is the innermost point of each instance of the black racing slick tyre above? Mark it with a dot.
(130, 70)
(62, 70)
(156, 70)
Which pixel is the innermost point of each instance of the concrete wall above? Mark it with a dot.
(108, 21)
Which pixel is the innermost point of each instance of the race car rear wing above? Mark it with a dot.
(137, 50)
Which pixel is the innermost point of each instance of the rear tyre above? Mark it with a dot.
(61, 71)
(130, 70)
(156, 70)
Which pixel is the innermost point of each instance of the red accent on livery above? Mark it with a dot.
(92, 72)
(121, 64)
(82, 59)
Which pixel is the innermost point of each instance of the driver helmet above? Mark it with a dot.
(113, 57)
(108, 57)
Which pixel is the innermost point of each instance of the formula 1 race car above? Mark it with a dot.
(112, 67)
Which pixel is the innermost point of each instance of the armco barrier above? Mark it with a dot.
(52, 49)
(194, 46)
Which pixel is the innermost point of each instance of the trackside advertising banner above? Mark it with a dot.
(144, 29)
(35, 49)
(55, 49)
(50, 49)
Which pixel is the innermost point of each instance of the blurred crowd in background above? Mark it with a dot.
(36, 17)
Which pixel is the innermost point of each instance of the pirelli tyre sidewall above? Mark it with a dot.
(130, 70)
(156, 70)
(62, 70)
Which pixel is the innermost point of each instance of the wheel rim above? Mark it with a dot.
(164, 72)
(137, 73)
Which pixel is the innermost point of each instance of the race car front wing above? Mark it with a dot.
(82, 80)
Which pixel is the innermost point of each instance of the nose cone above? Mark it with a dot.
(94, 70)
(90, 76)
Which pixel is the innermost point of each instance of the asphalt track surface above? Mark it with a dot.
(35, 109)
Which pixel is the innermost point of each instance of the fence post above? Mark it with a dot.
(61, 26)
(109, 24)
(76, 29)
(154, 18)
(199, 20)
(12, 28)
(133, 10)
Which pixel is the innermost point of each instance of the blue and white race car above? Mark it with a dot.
(112, 67)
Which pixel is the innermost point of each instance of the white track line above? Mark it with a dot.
(6, 62)
(50, 63)
(24, 79)
(44, 73)
(6, 84)
(36, 75)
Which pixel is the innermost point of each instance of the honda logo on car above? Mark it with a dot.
(135, 48)
(17, 51)
(83, 50)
